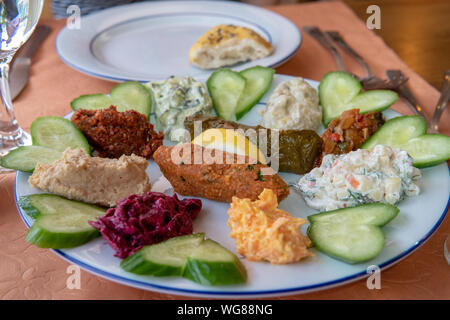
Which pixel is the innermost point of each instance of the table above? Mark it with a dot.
(28, 272)
(417, 30)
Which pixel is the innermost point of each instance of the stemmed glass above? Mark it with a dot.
(18, 20)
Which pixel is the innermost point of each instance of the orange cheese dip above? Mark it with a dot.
(264, 232)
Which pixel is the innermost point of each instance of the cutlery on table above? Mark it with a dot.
(20, 67)
(322, 39)
(442, 103)
(405, 93)
(336, 37)
(370, 81)
(395, 78)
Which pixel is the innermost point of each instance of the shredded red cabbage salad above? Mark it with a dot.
(141, 220)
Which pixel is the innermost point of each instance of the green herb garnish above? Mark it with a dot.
(260, 176)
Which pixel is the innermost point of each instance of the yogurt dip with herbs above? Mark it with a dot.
(175, 99)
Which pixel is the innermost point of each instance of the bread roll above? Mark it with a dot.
(225, 45)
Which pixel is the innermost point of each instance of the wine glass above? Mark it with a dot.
(18, 20)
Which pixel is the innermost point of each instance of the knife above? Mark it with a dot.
(20, 67)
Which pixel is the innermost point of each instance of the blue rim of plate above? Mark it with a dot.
(287, 291)
(113, 78)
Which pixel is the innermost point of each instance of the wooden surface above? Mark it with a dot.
(28, 272)
(417, 30)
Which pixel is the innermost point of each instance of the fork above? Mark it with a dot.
(396, 79)
(370, 81)
(336, 37)
(404, 91)
(442, 103)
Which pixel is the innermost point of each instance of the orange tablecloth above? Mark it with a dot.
(27, 272)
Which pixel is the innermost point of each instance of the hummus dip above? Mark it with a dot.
(95, 180)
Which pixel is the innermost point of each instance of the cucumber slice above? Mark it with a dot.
(351, 234)
(166, 258)
(61, 231)
(352, 243)
(338, 88)
(397, 131)
(373, 100)
(190, 256)
(408, 133)
(258, 81)
(377, 214)
(58, 133)
(225, 87)
(60, 223)
(132, 95)
(428, 150)
(340, 91)
(25, 158)
(212, 264)
(50, 204)
(91, 102)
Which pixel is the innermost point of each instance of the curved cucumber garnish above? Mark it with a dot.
(336, 89)
(58, 133)
(47, 203)
(377, 214)
(92, 102)
(25, 158)
(351, 234)
(166, 258)
(225, 87)
(61, 231)
(258, 81)
(60, 223)
(131, 95)
(397, 131)
(190, 256)
(211, 264)
(352, 243)
(373, 100)
(428, 150)
(340, 91)
(408, 133)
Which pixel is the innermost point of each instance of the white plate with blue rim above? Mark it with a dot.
(419, 217)
(150, 40)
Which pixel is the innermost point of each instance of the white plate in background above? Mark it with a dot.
(150, 40)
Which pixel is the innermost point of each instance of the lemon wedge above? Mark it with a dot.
(229, 140)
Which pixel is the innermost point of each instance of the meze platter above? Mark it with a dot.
(317, 224)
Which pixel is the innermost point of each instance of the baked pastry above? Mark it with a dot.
(225, 45)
